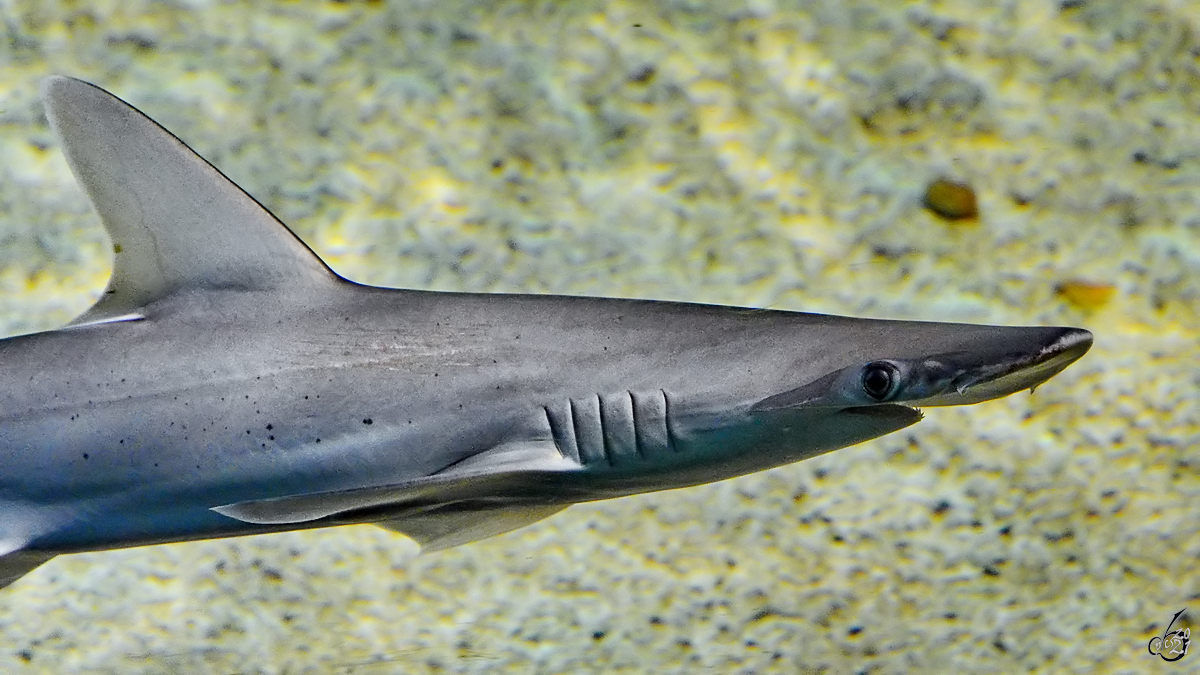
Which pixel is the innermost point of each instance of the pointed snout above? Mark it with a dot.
(1009, 360)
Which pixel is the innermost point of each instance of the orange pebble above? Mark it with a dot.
(1086, 294)
(954, 201)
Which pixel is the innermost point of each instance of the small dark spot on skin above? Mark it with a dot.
(270, 427)
(247, 431)
(854, 630)
(318, 440)
(1006, 530)
(598, 635)
(941, 507)
(637, 25)
(991, 571)
(270, 438)
(85, 455)
(655, 621)
(25, 655)
(368, 421)
(122, 441)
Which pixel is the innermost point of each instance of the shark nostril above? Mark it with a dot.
(879, 380)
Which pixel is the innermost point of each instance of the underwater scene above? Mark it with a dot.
(1022, 163)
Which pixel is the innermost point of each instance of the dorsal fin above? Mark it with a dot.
(175, 221)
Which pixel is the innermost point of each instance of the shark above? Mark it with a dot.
(228, 382)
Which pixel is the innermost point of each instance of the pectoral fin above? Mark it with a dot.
(464, 522)
(16, 561)
(490, 493)
(415, 494)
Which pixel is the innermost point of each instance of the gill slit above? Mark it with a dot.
(604, 446)
(672, 443)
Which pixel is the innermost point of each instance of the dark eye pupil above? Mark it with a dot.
(877, 381)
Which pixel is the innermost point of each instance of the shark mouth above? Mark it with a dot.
(1014, 373)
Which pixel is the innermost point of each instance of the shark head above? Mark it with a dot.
(821, 383)
(938, 364)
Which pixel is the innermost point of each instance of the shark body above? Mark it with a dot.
(229, 383)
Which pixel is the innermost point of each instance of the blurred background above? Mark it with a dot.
(1023, 162)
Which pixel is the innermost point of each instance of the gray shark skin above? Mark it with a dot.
(229, 383)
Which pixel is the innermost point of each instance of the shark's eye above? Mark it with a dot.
(879, 380)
